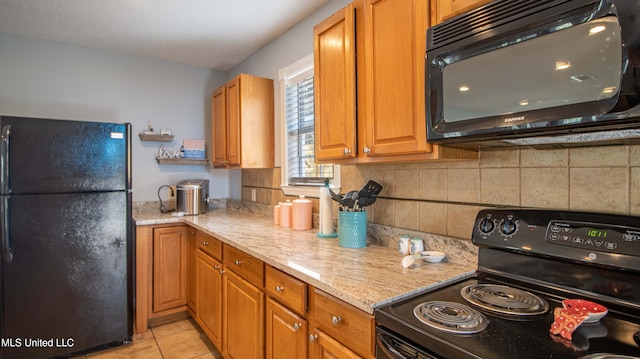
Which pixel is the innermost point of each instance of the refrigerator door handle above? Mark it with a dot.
(4, 159)
(7, 251)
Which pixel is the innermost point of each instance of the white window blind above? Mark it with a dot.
(302, 168)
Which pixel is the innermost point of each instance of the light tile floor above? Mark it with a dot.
(178, 340)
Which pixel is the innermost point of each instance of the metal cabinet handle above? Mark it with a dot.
(335, 320)
(216, 267)
(221, 271)
(297, 326)
(346, 151)
(313, 337)
(205, 243)
(279, 289)
(238, 262)
(366, 150)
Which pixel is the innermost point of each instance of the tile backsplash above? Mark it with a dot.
(443, 197)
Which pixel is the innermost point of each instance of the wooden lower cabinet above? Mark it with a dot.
(208, 311)
(335, 322)
(169, 268)
(224, 289)
(286, 332)
(243, 315)
(192, 295)
(324, 346)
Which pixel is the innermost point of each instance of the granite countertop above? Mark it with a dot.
(366, 278)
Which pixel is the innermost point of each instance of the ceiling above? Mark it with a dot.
(217, 34)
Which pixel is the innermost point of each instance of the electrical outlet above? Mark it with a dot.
(253, 194)
(171, 192)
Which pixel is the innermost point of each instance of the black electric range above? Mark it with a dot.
(529, 262)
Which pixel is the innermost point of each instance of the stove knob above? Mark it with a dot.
(508, 227)
(486, 226)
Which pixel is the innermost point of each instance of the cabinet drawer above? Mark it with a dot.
(244, 265)
(351, 326)
(286, 289)
(209, 244)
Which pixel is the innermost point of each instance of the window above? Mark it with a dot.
(300, 173)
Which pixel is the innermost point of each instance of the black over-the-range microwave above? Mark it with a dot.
(543, 73)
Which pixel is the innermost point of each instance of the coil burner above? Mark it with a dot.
(451, 317)
(505, 300)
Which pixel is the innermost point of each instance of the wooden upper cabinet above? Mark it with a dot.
(445, 9)
(243, 127)
(393, 77)
(390, 121)
(335, 86)
(233, 122)
(219, 125)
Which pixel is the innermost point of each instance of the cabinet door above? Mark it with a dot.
(243, 319)
(219, 126)
(334, 86)
(394, 119)
(169, 268)
(323, 346)
(233, 121)
(286, 333)
(209, 309)
(444, 9)
(191, 269)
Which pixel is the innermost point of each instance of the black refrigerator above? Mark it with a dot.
(66, 244)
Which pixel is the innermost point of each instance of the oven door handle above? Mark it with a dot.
(387, 347)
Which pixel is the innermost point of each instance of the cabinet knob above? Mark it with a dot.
(313, 337)
(205, 243)
(238, 262)
(296, 326)
(279, 289)
(335, 320)
(347, 151)
(366, 150)
(221, 271)
(216, 267)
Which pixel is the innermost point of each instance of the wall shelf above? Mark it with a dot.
(182, 161)
(155, 137)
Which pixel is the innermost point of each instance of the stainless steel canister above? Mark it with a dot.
(192, 196)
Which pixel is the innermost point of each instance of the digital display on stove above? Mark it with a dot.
(597, 233)
(595, 237)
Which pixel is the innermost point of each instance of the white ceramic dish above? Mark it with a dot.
(432, 256)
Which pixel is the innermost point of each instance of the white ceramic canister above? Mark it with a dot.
(276, 213)
(301, 214)
(416, 245)
(285, 214)
(403, 244)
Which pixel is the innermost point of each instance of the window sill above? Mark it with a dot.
(307, 191)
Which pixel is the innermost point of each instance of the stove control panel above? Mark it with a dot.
(583, 236)
(595, 236)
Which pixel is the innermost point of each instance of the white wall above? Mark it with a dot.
(54, 80)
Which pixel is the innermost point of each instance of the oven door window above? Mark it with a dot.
(572, 65)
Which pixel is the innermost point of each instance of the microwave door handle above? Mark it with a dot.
(7, 251)
(387, 347)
